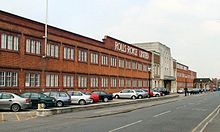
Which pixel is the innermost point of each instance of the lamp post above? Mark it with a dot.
(149, 73)
(186, 85)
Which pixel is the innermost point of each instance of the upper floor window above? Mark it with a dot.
(82, 55)
(9, 42)
(140, 66)
(145, 67)
(68, 53)
(121, 63)
(94, 58)
(32, 80)
(113, 61)
(8, 79)
(33, 46)
(128, 64)
(134, 65)
(52, 80)
(52, 50)
(104, 60)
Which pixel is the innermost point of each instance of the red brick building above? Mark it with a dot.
(185, 77)
(70, 61)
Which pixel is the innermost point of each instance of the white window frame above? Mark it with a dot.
(82, 55)
(104, 59)
(52, 80)
(94, 58)
(94, 82)
(68, 81)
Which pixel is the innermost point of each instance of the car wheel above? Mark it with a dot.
(133, 97)
(15, 107)
(157, 95)
(82, 102)
(59, 103)
(43, 105)
(140, 96)
(105, 99)
(116, 96)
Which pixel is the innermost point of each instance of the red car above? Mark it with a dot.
(94, 97)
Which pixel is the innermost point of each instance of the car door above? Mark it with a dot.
(75, 97)
(35, 98)
(6, 100)
(124, 93)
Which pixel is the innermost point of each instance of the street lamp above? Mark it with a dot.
(149, 73)
(185, 85)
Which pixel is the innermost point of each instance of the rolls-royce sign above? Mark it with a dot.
(131, 50)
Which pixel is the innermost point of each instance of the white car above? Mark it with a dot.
(126, 93)
(77, 97)
(156, 93)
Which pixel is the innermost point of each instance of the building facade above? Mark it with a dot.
(67, 61)
(167, 71)
(185, 77)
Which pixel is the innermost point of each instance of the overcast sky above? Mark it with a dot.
(191, 28)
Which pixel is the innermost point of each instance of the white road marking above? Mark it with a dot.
(198, 109)
(162, 113)
(180, 107)
(125, 126)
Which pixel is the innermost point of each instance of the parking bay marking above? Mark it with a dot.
(162, 113)
(125, 126)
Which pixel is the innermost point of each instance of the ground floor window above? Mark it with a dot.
(52, 80)
(8, 79)
(104, 82)
(82, 81)
(94, 81)
(68, 80)
(32, 80)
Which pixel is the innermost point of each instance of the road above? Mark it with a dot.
(181, 115)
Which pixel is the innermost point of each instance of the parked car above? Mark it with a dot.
(13, 102)
(141, 93)
(156, 93)
(78, 97)
(162, 90)
(39, 98)
(180, 91)
(195, 91)
(126, 93)
(103, 96)
(94, 97)
(151, 92)
(62, 98)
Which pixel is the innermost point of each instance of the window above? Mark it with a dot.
(134, 65)
(140, 66)
(104, 60)
(128, 83)
(68, 80)
(9, 42)
(145, 83)
(134, 83)
(82, 81)
(94, 58)
(128, 64)
(94, 81)
(113, 61)
(82, 55)
(113, 82)
(8, 79)
(121, 63)
(121, 82)
(145, 67)
(104, 82)
(140, 83)
(32, 80)
(68, 53)
(52, 80)
(52, 50)
(33, 46)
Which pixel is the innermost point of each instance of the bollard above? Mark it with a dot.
(39, 106)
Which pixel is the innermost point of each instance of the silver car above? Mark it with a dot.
(141, 93)
(126, 93)
(78, 97)
(62, 98)
(13, 102)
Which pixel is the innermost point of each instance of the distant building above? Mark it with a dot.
(204, 83)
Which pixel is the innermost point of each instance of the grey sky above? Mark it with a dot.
(191, 28)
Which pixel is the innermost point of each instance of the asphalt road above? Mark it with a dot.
(177, 116)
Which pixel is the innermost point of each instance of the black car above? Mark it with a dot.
(162, 90)
(103, 96)
(39, 98)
